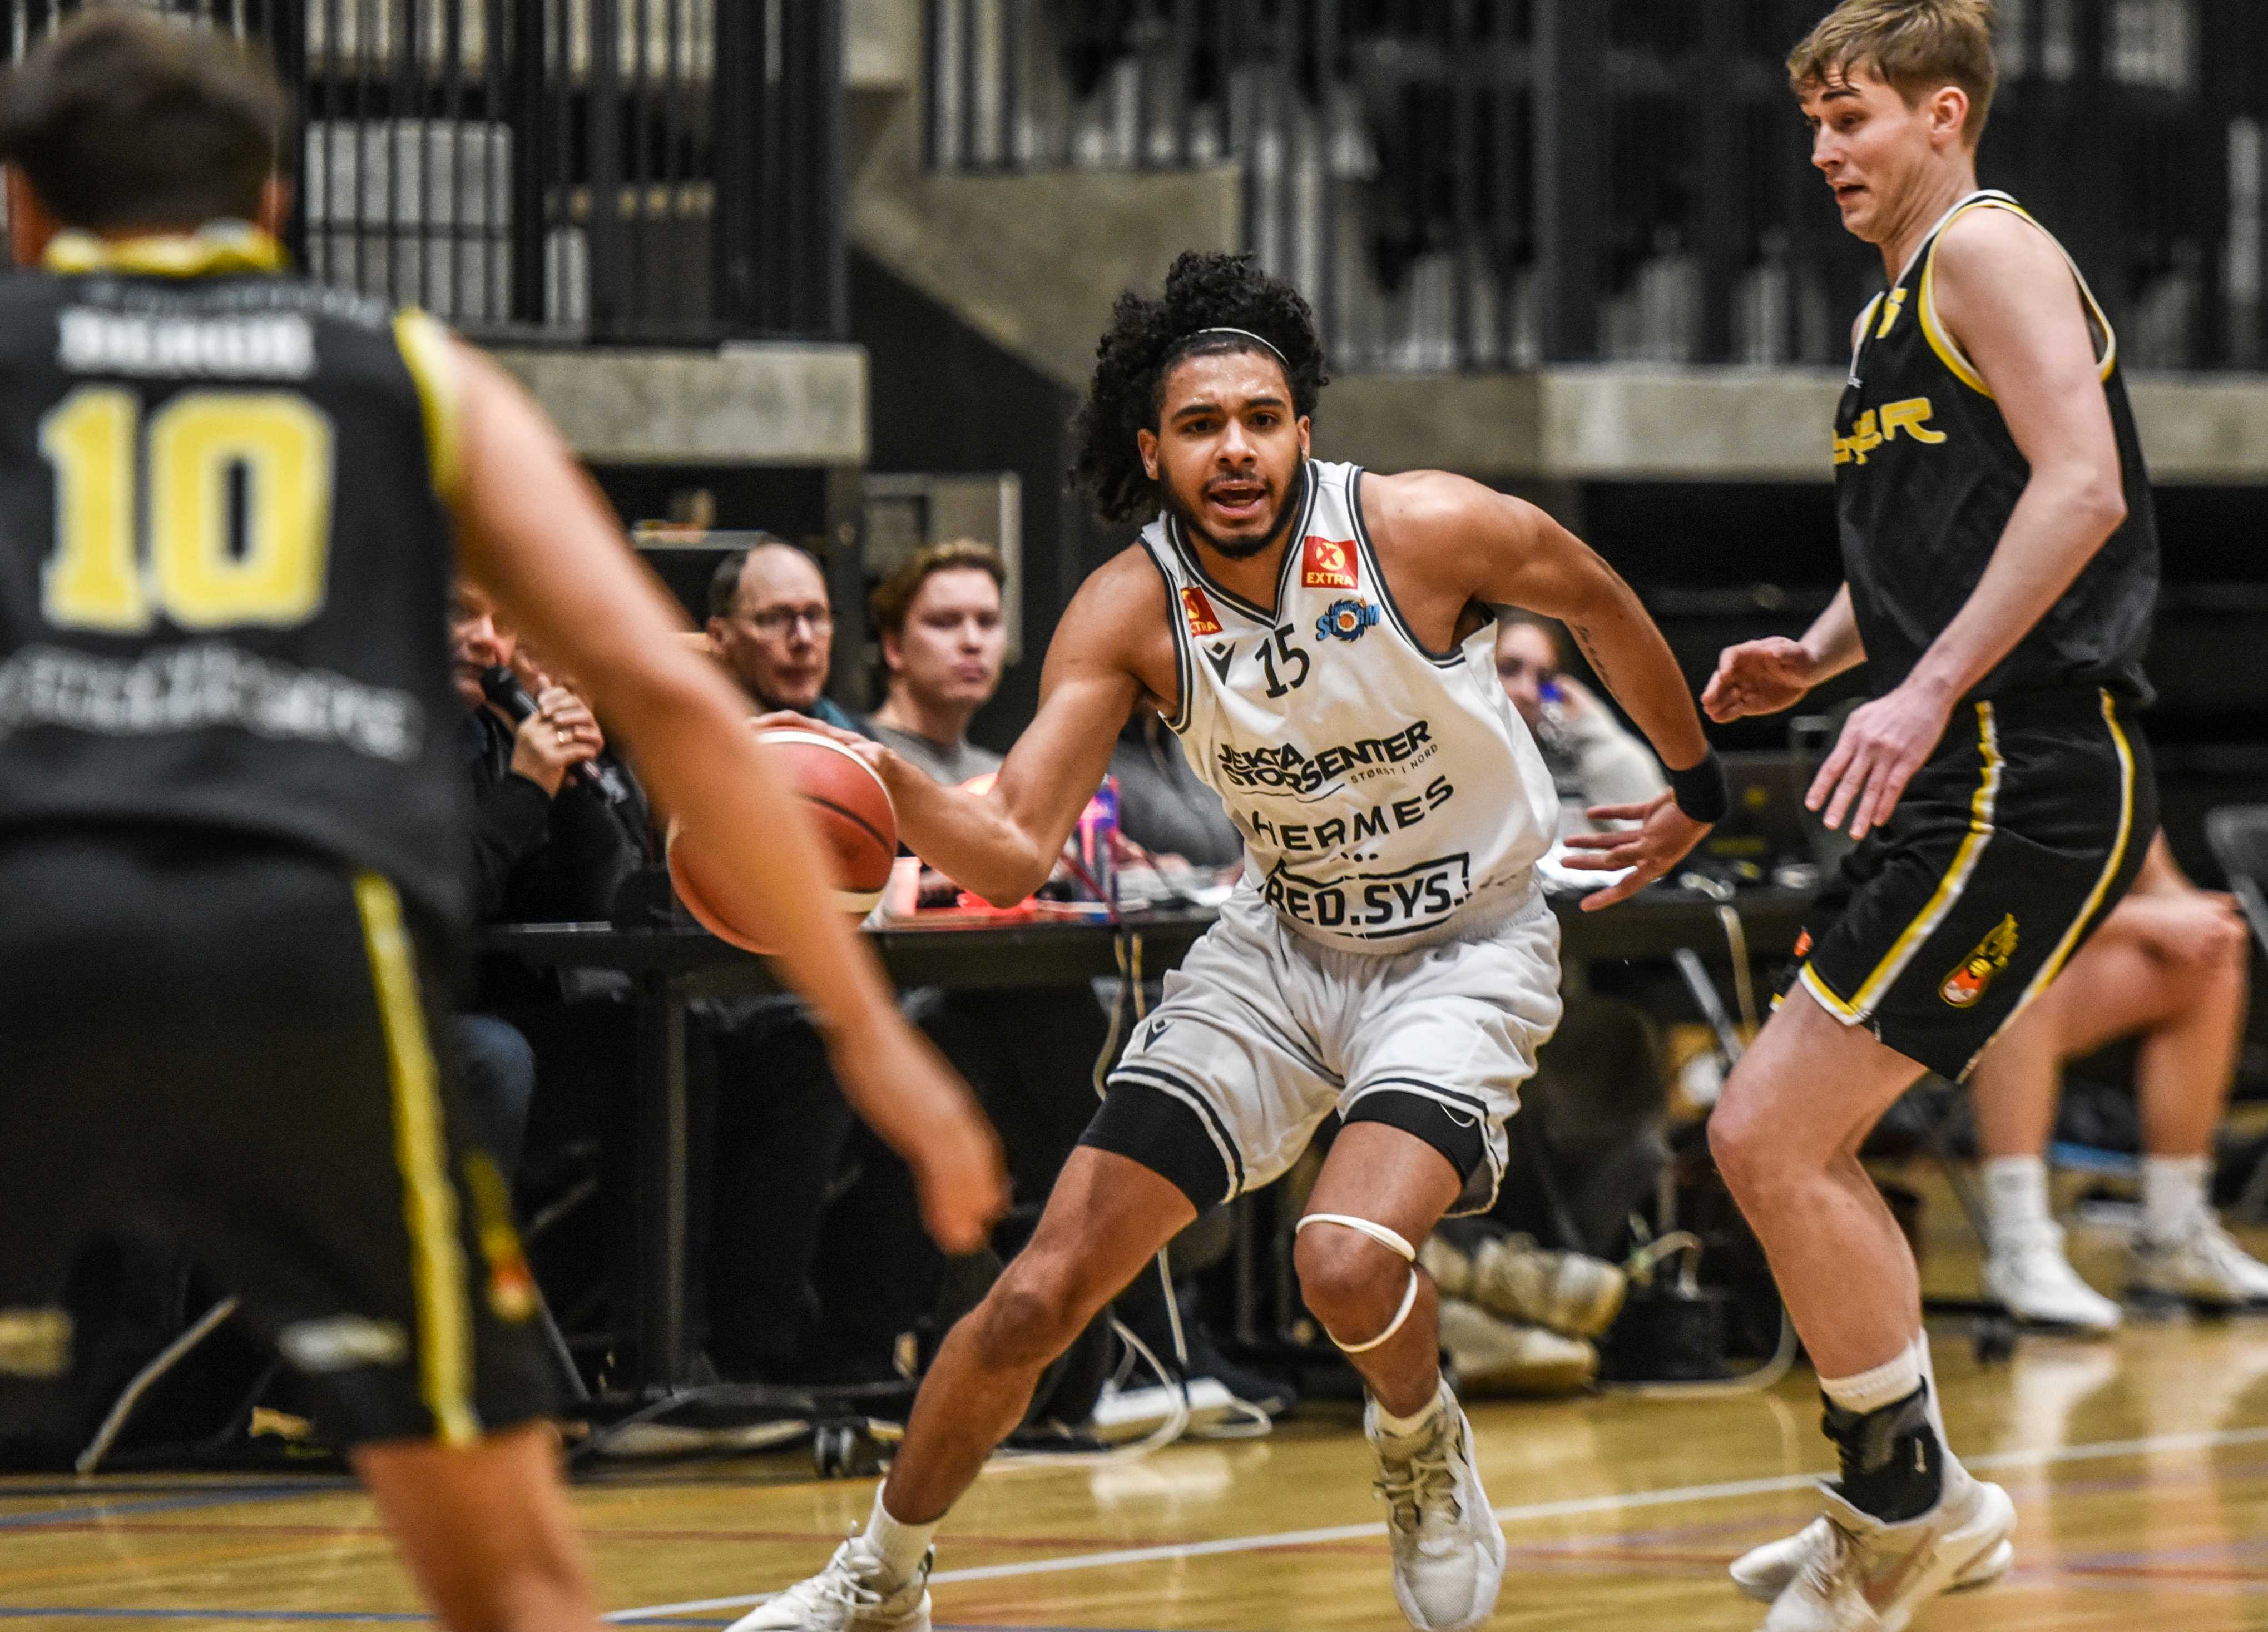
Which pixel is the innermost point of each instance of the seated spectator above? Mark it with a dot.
(2169, 965)
(770, 623)
(1594, 760)
(543, 848)
(938, 617)
(779, 1128)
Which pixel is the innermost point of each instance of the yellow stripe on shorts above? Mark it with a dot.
(437, 1256)
(1948, 890)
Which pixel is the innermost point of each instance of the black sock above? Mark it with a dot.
(1893, 1465)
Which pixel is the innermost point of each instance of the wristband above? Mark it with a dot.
(1701, 791)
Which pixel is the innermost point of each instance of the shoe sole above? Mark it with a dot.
(1972, 1544)
(920, 1621)
(1980, 1573)
(2158, 1300)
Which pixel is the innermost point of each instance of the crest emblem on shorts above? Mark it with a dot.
(1327, 563)
(1346, 620)
(1198, 610)
(1967, 982)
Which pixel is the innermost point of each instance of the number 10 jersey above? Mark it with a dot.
(1389, 795)
(225, 558)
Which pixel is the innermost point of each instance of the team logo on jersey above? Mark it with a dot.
(1967, 983)
(1222, 658)
(1203, 620)
(1287, 769)
(1327, 563)
(1346, 620)
(1874, 429)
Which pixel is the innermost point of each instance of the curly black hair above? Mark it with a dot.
(1203, 290)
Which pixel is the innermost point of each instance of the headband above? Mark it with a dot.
(1261, 340)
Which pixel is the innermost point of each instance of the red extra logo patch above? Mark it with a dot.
(1327, 563)
(1199, 612)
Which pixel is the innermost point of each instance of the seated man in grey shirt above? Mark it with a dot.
(942, 642)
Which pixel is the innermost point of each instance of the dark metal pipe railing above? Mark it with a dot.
(657, 171)
(1494, 183)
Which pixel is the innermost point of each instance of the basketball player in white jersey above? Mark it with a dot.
(1318, 638)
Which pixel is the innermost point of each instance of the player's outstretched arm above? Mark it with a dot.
(1002, 845)
(536, 534)
(1766, 676)
(1506, 551)
(2009, 299)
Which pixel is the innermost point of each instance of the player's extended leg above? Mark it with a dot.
(485, 1530)
(1106, 1217)
(1382, 1190)
(1906, 1520)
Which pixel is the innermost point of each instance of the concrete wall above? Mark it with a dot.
(1031, 261)
(1730, 424)
(766, 405)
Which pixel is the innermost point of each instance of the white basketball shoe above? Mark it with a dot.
(2206, 1266)
(1864, 1574)
(1764, 1572)
(852, 1594)
(1449, 1549)
(2027, 1270)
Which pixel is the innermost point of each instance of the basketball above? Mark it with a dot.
(848, 803)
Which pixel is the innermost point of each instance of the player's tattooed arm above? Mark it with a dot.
(1458, 542)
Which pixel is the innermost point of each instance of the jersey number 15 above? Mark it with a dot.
(232, 490)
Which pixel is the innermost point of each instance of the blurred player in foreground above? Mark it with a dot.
(231, 836)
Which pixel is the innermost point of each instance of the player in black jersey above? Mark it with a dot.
(2000, 568)
(230, 841)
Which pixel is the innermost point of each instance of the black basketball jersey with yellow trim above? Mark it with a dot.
(1926, 476)
(225, 557)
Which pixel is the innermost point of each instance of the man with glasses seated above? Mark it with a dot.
(771, 624)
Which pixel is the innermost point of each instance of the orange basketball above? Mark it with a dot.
(848, 803)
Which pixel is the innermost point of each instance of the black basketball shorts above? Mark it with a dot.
(2012, 842)
(231, 1041)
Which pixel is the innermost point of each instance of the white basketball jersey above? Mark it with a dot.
(1384, 792)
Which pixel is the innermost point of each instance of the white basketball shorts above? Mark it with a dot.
(1263, 1034)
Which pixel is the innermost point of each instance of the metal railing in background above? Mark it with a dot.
(628, 171)
(1502, 183)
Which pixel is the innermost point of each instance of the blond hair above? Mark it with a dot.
(894, 597)
(1912, 46)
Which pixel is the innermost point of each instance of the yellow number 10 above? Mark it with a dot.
(195, 575)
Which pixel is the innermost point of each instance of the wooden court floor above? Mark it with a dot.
(2138, 1467)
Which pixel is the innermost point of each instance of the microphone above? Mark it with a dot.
(500, 686)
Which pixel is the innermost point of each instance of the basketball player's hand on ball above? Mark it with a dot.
(896, 1080)
(787, 719)
(1658, 842)
(1757, 677)
(1882, 745)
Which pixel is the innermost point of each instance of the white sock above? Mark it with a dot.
(1885, 1383)
(901, 1546)
(2173, 1195)
(1405, 1427)
(2015, 1194)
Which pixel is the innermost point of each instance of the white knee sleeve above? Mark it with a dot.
(1394, 1243)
